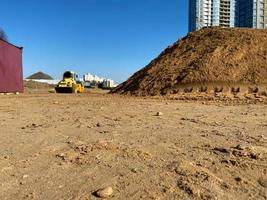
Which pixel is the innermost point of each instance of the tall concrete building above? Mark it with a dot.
(227, 13)
(251, 13)
(205, 13)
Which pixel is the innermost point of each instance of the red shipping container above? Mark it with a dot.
(11, 75)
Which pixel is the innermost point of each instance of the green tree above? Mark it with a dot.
(3, 35)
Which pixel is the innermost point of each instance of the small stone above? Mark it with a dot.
(98, 124)
(61, 156)
(159, 114)
(22, 182)
(240, 147)
(104, 132)
(34, 125)
(263, 182)
(25, 176)
(263, 137)
(256, 156)
(238, 179)
(104, 192)
(134, 170)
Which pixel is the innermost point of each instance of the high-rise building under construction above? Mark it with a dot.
(205, 13)
(227, 13)
(251, 13)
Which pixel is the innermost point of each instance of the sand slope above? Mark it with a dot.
(209, 56)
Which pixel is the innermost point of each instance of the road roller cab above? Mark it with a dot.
(69, 84)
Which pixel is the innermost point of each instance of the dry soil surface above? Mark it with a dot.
(68, 146)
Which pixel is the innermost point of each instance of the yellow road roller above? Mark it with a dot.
(69, 84)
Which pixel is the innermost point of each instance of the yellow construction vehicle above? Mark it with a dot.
(69, 84)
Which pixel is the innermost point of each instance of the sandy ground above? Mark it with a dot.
(68, 146)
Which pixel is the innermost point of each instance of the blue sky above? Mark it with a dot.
(111, 38)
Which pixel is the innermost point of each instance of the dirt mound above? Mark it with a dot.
(40, 75)
(209, 57)
(34, 85)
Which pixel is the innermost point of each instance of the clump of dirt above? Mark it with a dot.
(81, 153)
(199, 182)
(211, 56)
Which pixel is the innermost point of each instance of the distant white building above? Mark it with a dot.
(108, 83)
(94, 80)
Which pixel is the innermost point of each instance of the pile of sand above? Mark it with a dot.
(40, 76)
(210, 56)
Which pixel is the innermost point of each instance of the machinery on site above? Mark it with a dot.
(69, 84)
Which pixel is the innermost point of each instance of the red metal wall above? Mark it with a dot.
(11, 76)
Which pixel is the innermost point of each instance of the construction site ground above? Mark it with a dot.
(66, 146)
